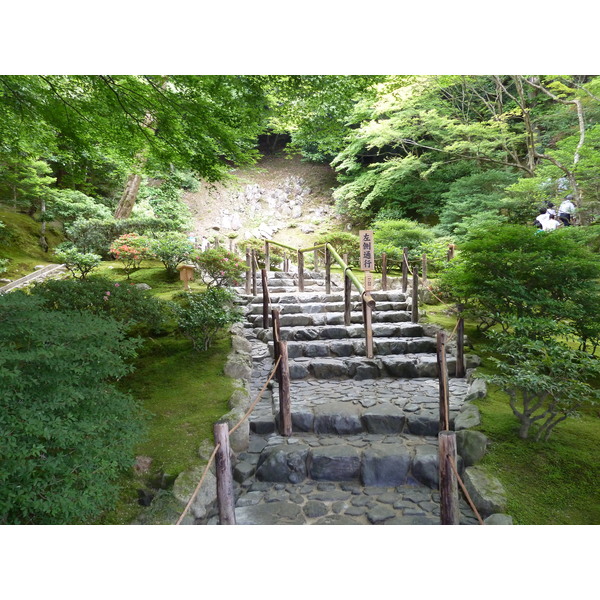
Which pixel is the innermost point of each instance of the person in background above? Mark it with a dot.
(541, 218)
(551, 223)
(550, 207)
(566, 210)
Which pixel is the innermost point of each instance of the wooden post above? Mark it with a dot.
(287, 263)
(267, 257)
(449, 507)
(225, 497)
(347, 299)
(404, 270)
(265, 293)
(327, 270)
(460, 345)
(424, 268)
(276, 337)
(248, 271)
(368, 324)
(443, 382)
(384, 271)
(253, 272)
(415, 296)
(300, 271)
(316, 257)
(285, 411)
(345, 258)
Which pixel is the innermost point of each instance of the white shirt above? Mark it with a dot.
(567, 207)
(542, 219)
(551, 224)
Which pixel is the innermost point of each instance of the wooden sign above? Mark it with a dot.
(367, 250)
(368, 281)
(186, 274)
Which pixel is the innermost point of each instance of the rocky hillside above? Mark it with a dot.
(279, 198)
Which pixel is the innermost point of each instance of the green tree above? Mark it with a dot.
(66, 432)
(516, 271)
(547, 381)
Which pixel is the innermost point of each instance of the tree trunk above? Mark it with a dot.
(127, 201)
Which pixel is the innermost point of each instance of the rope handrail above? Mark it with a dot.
(464, 489)
(216, 448)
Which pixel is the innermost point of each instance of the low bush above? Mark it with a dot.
(135, 308)
(402, 233)
(201, 316)
(547, 380)
(97, 235)
(219, 267)
(171, 248)
(343, 243)
(131, 249)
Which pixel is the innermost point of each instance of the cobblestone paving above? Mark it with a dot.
(314, 502)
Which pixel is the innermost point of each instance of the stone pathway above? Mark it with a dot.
(364, 443)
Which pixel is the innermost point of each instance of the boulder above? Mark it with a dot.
(498, 519)
(341, 419)
(186, 483)
(471, 445)
(467, 418)
(486, 491)
(384, 419)
(476, 389)
(425, 466)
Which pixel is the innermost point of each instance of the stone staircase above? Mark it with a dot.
(364, 443)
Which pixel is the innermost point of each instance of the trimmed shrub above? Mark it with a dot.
(171, 248)
(79, 264)
(131, 249)
(219, 267)
(201, 316)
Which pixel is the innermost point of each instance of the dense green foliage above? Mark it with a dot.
(135, 308)
(79, 264)
(66, 432)
(202, 316)
(171, 248)
(546, 380)
(514, 270)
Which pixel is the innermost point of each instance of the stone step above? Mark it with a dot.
(345, 418)
(320, 297)
(357, 346)
(356, 367)
(337, 332)
(332, 318)
(369, 459)
(321, 307)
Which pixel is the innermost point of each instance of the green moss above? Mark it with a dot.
(153, 273)
(19, 242)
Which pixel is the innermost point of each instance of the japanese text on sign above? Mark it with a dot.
(367, 250)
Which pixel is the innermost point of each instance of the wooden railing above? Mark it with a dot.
(331, 257)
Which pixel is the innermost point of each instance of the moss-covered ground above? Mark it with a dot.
(547, 483)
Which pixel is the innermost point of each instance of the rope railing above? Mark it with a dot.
(463, 488)
(218, 446)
